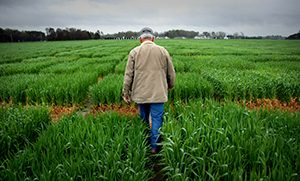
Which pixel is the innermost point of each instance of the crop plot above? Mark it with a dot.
(233, 114)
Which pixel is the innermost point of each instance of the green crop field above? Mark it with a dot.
(209, 130)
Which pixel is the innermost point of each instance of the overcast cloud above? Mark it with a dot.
(252, 17)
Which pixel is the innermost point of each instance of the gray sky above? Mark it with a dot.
(252, 17)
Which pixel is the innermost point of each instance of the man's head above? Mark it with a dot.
(146, 34)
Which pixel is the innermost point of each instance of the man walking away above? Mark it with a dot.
(148, 76)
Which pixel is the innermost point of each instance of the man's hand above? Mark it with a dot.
(126, 99)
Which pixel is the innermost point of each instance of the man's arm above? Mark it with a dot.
(170, 71)
(128, 77)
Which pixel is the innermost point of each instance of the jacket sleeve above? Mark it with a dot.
(129, 74)
(170, 71)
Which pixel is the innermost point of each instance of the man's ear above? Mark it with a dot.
(152, 39)
(141, 40)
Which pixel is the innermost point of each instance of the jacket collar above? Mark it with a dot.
(147, 42)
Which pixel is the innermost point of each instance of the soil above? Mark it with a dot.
(272, 104)
(6, 104)
(56, 112)
(157, 167)
(100, 78)
(122, 110)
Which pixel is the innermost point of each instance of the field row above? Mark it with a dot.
(105, 147)
(60, 65)
(208, 141)
(67, 72)
(22, 52)
(201, 141)
(203, 138)
(73, 88)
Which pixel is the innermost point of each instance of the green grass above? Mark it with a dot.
(206, 136)
(58, 89)
(108, 90)
(20, 127)
(190, 86)
(27, 66)
(204, 140)
(236, 69)
(108, 147)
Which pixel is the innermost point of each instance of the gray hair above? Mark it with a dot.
(146, 33)
(146, 36)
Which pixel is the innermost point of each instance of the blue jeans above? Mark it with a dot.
(156, 110)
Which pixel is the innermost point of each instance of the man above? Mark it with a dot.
(148, 76)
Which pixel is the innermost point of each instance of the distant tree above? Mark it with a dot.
(213, 35)
(85, 35)
(274, 37)
(59, 34)
(295, 36)
(180, 33)
(220, 35)
(10, 35)
(69, 34)
(5, 36)
(236, 35)
(50, 34)
(206, 34)
(230, 36)
(72, 33)
(92, 35)
(242, 35)
(33, 36)
(97, 35)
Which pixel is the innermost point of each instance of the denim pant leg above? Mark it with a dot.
(156, 111)
(144, 112)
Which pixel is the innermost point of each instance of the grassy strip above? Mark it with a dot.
(20, 127)
(253, 84)
(12, 88)
(236, 69)
(57, 89)
(107, 147)
(60, 89)
(189, 86)
(120, 67)
(27, 67)
(209, 141)
(108, 90)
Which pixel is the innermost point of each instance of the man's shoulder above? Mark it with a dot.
(134, 50)
(162, 49)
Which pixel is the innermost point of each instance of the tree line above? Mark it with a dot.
(295, 36)
(12, 35)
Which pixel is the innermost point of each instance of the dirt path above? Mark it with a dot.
(86, 108)
(88, 103)
(57, 112)
(156, 166)
(128, 110)
(272, 104)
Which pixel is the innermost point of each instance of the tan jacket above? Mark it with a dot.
(149, 74)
